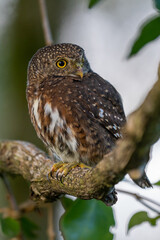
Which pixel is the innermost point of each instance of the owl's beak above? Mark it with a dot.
(79, 72)
(79, 69)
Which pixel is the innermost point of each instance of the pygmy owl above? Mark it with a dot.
(75, 112)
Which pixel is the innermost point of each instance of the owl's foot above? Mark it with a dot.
(62, 169)
(111, 197)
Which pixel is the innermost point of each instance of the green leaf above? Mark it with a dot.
(93, 2)
(157, 183)
(141, 217)
(10, 226)
(149, 31)
(157, 4)
(87, 219)
(67, 202)
(28, 228)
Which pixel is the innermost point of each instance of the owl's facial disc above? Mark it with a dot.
(81, 67)
(72, 67)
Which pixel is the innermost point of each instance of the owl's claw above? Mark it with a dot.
(111, 198)
(62, 169)
(59, 175)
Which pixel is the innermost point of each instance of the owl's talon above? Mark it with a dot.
(57, 175)
(111, 198)
(62, 169)
(60, 175)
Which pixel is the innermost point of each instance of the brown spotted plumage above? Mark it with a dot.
(78, 118)
(76, 113)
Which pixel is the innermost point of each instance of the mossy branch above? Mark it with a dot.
(141, 132)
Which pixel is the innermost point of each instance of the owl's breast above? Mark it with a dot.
(53, 129)
(78, 120)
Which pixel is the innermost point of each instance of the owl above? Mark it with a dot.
(75, 112)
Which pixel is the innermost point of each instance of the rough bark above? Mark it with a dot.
(141, 132)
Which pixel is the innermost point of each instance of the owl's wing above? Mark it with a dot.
(106, 106)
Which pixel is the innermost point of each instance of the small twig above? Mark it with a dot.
(8, 212)
(45, 23)
(148, 206)
(139, 196)
(14, 207)
(50, 230)
(141, 199)
(10, 193)
(25, 207)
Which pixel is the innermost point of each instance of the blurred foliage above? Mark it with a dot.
(28, 228)
(18, 44)
(140, 217)
(157, 4)
(10, 227)
(93, 3)
(157, 183)
(84, 220)
(149, 31)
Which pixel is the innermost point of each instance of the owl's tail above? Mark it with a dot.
(143, 181)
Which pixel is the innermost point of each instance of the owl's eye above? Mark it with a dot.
(61, 63)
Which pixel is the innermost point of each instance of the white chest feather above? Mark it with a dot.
(55, 128)
(36, 113)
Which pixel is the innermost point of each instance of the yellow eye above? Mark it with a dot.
(61, 63)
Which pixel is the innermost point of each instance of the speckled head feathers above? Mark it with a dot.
(43, 63)
(63, 49)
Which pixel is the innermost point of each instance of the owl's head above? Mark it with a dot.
(58, 60)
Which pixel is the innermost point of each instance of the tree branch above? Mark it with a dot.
(45, 23)
(141, 131)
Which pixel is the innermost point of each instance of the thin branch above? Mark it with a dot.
(45, 23)
(50, 231)
(27, 206)
(148, 206)
(8, 212)
(10, 192)
(141, 199)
